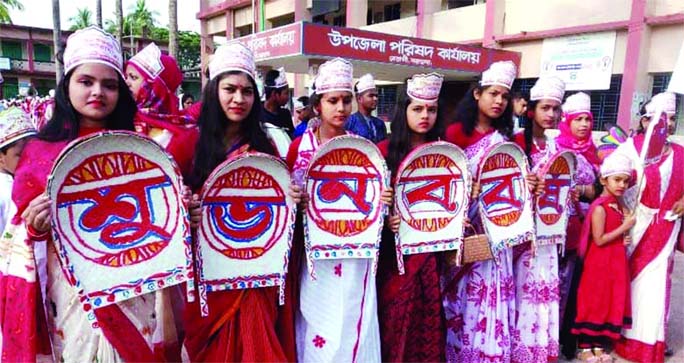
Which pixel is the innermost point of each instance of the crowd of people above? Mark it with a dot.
(609, 291)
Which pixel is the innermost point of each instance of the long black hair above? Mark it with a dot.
(529, 127)
(400, 137)
(468, 112)
(210, 150)
(64, 123)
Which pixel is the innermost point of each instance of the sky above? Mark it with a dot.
(38, 13)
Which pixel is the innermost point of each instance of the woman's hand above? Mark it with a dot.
(298, 196)
(387, 196)
(393, 223)
(678, 208)
(37, 214)
(536, 183)
(194, 206)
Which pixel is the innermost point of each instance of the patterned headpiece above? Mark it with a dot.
(548, 88)
(616, 163)
(335, 75)
(233, 56)
(578, 102)
(667, 102)
(424, 87)
(15, 124)
(92, 45)
(280, 81)
(365, 83)
(499, 73)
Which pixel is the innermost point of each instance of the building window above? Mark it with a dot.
(387, 101)
(320, 19)
(12, 50)
(42, 53)
(452, 4)
(604, 104)
(339, 20)
(43, 86)
(392, 12)
(282, 21)
(10, 88)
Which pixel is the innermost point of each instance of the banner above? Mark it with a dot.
(505, 201)
(583, 61)
(245, 233)
(552, 206)
(431, 197)
(344, 216)
(120, 226)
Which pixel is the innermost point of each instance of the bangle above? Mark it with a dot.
(584, 187)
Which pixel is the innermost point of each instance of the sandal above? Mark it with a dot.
(602, 356)
(587, 356)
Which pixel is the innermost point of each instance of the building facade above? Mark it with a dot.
(648, 35)
(27, 60)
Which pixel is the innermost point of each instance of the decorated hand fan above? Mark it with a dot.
(119, 223)
(245, 233)
(431, 197)
(611, 141)
(344, 216)
(505, 201)
(552, 206)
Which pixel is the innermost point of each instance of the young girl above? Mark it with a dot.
(603, 298)
(15, 128)
(536, 272)
(92, 97)
(337, 317)
(575, 135)
(153, 79)
(410, 305)
(478, 298)
(241, 325)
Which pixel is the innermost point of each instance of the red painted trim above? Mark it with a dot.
(490, 19)
(542, 34)
(420, 18)
(632, 55)
(671, 19)
(215, 10)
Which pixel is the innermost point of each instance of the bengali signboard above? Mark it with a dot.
(274, 43)
(583, 61)
(355, 44)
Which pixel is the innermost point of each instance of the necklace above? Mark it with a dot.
(546, 144)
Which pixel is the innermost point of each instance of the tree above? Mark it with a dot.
(5, 5)
(141, 18)
(82, 19)
(57, 40)
(98, 13)
(118, 10)
(173, 28)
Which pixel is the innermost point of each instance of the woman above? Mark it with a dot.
(153, 79)
(92, 97)
(575, 135)
(536, 272)
(337, 317)
(241, 325)
(410, 305)
(653, 239)
(478, 298)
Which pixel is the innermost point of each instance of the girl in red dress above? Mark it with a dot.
(410, 305)
(603, 297)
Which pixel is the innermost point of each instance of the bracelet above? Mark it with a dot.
(584, 187)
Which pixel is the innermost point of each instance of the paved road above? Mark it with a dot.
(676, 328)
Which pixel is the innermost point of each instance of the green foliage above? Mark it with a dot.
(82, 19)
(5, 5)
(140, 17)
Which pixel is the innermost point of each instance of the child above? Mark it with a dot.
(410, 305)
(603, 297)
(15, 127)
